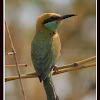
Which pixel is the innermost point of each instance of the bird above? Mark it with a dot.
(45, 49)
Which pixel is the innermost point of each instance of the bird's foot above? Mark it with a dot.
(55, 69)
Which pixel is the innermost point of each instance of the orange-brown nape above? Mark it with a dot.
(42, 18)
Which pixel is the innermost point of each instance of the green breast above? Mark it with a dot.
(44, 51)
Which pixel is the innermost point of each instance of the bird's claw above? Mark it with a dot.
(55, 69)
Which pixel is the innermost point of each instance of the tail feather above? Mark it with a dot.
(49, 89)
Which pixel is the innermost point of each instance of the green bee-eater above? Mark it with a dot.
(45, 49)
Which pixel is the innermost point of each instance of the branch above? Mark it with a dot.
(74, 68)
(63, 69)
(14, 54)
(78, 63)
(20, 65)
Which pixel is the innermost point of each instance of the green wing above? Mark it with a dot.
(42, 58)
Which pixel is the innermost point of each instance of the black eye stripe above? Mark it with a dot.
(50, 19)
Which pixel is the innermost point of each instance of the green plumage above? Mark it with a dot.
(49, 88)
(45, 49)
(43, 53)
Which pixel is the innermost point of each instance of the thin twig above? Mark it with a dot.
(20, 65)
(14, 54)
(74, 68)
(77, 63)
(86, 60)
(34, 75)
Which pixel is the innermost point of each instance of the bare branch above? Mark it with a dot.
(75, 68)
(20, 65)
(78, 63)
(14, 54)
(34, 75)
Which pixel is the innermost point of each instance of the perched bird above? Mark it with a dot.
(45, 49)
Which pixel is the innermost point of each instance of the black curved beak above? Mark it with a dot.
(67, 16)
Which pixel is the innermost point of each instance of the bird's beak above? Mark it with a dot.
(66, 16)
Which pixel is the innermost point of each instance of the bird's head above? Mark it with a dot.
(50, 21)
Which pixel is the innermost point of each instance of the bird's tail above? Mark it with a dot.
(49, 88)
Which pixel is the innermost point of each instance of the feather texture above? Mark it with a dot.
(45, 51)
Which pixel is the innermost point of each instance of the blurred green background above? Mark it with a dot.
(78, 38)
